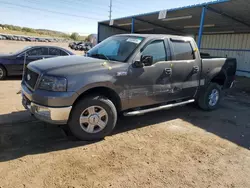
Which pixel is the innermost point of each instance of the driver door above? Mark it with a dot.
(31, 55)
(151, 84)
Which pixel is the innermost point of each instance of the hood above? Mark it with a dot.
(67, 65)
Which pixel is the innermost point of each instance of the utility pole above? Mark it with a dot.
(110, 9)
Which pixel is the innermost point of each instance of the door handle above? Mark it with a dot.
(196, 69)
(168, 71)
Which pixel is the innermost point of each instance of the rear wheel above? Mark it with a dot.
(210, 98)
(93, 118)
(2, 73)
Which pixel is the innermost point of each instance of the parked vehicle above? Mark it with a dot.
(76, 45)
(84, 47)
(71, 44)
(12, 64)
(3, 37)
(131, 73)
(8, 37)
(28, 39)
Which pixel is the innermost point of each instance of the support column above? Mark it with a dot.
(133, 26)
(203, 14)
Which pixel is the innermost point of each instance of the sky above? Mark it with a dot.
(79, 16)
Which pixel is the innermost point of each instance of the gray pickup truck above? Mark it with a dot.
(132, 74)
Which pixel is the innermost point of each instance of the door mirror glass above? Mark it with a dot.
(147, 60)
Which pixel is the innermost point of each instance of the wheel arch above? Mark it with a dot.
(105, 91)
(218, 76)
(6, 70)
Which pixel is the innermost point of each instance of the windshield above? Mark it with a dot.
(21, 51)
(116, 48)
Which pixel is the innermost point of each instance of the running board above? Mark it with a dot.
(164, 107)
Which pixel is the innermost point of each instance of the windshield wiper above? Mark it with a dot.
(99, 56)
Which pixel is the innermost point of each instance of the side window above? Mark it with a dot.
(63, 53)
(54, 51)
(37, 52)
(156, 49)
(111, 49)
(183, 50)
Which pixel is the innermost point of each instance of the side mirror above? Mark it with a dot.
(22, 56)
(147, 60)
(137, 64)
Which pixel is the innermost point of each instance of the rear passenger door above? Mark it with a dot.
(185, 67)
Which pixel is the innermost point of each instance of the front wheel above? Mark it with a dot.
(210, 98)
(93, 118)
(2, 73)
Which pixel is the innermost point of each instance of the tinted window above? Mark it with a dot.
(63, 53)
(54, 51)
(37, 52)
(157, 50)
(183, 50)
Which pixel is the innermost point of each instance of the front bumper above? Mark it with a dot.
(53, 115)
(42, 104)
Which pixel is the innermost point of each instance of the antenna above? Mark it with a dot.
(24, 65)
(110, 10)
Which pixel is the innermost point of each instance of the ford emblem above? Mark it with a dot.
(28, 77)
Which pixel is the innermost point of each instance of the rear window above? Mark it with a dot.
(183, 50)
(63, 53)
(54, 51)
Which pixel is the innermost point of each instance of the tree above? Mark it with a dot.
(87, 39)
(75, 36)
(26, 29)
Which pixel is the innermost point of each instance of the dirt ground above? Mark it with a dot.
(181, 147)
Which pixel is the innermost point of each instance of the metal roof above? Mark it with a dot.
(222, 16)
(155, 36)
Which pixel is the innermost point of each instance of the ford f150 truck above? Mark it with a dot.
(132, 74)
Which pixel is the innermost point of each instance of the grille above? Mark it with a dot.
(30, 77)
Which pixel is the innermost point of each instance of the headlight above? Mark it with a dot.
(52, 83)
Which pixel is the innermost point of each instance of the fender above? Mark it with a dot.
(93, 81)
(105, 81)
(215, 72)
(106, 84)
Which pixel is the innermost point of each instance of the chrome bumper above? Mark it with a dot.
(51, 115)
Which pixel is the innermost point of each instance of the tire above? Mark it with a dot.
(204, 101)
(3, 73)
(80, 130)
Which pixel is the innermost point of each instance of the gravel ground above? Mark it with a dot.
(181, 147)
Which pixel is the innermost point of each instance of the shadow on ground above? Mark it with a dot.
(13, 78)
(230, 122)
